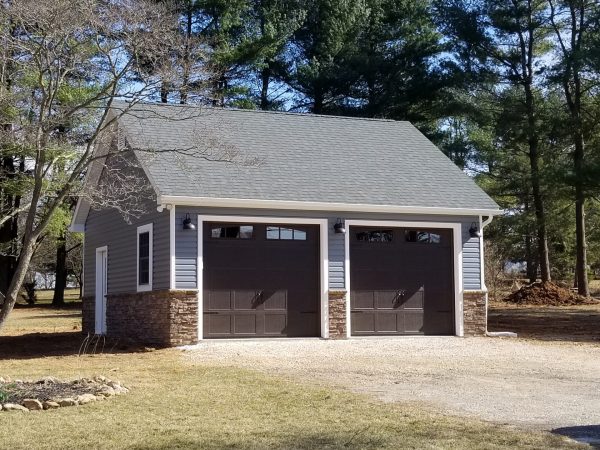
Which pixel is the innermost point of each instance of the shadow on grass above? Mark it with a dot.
(586, 434)
(548, 324)
(47, 305)
(301, 441)
(54, 316)
(38, 345)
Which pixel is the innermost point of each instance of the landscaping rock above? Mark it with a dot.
(48, 380)
(50, 393)
(86, 398)
(14, 407)
(117, 387)
(49, 404)
(32, 404)
(67, 402)
(106, 391)
(120, 390)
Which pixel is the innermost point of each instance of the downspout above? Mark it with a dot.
(482, 225)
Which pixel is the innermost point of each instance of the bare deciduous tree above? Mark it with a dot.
(63, 64)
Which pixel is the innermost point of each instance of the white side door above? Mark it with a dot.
(101, 284)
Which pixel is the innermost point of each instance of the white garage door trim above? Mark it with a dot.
(324, 258)
(457, 250)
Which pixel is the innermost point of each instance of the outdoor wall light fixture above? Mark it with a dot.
(474, 231)
(338, 227)
(187, 223)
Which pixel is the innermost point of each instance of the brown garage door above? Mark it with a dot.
(401, 281)
(261, 280)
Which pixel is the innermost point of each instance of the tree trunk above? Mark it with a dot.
(318, 101)
(60, 281)
(531, 264)
(538, 202)
(581, 275)
(9, 231)
(164, 92)
(183, 92)
(265, 77)
(540, 215)
(12, 294)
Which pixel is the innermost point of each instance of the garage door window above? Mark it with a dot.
(285, 234)
(232, 232)
(375, 236)
(423, 237)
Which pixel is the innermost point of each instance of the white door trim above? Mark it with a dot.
(458, 255)
(101, 290)
(172, 260)
(323, 250)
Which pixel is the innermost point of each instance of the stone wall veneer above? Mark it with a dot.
(164, 318)
(337, 314)
(475, 313)
(170, 317)
(88, 305)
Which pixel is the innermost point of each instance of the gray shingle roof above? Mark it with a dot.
(302, 157)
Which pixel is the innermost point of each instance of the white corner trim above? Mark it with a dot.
(144, 229)
(77, 228)
(457, 260)
(319, 206)
(482, 225)
(323, 247)
(347, 278)
(172, 259)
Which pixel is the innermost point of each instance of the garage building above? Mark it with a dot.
(248, 224)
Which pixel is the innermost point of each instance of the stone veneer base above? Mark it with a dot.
(475, 313)
(165, 318)
(170, 317)
(337, 315)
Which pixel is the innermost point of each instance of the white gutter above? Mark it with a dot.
(321, 206)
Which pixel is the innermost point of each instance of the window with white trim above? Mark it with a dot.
(144, 258)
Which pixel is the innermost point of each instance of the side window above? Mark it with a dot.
(423, 237)
(144, 258)
(232, 232)
(375, 236)
(285, 234)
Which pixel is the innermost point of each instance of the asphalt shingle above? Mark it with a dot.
(241, 154)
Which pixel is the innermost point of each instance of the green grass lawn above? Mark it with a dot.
(174, 404)
(44, 296)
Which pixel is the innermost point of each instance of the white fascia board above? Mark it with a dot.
(320, 206)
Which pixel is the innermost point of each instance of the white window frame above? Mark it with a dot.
(144, 229)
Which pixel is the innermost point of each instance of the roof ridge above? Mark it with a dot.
(259, 111)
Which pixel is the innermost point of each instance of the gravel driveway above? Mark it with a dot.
(524, 383)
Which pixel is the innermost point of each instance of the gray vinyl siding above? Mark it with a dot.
(471, 258)
(337, 257)
(107, 227)
(186, 241)
(186, 252)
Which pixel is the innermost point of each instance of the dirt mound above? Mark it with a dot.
(547, 294)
